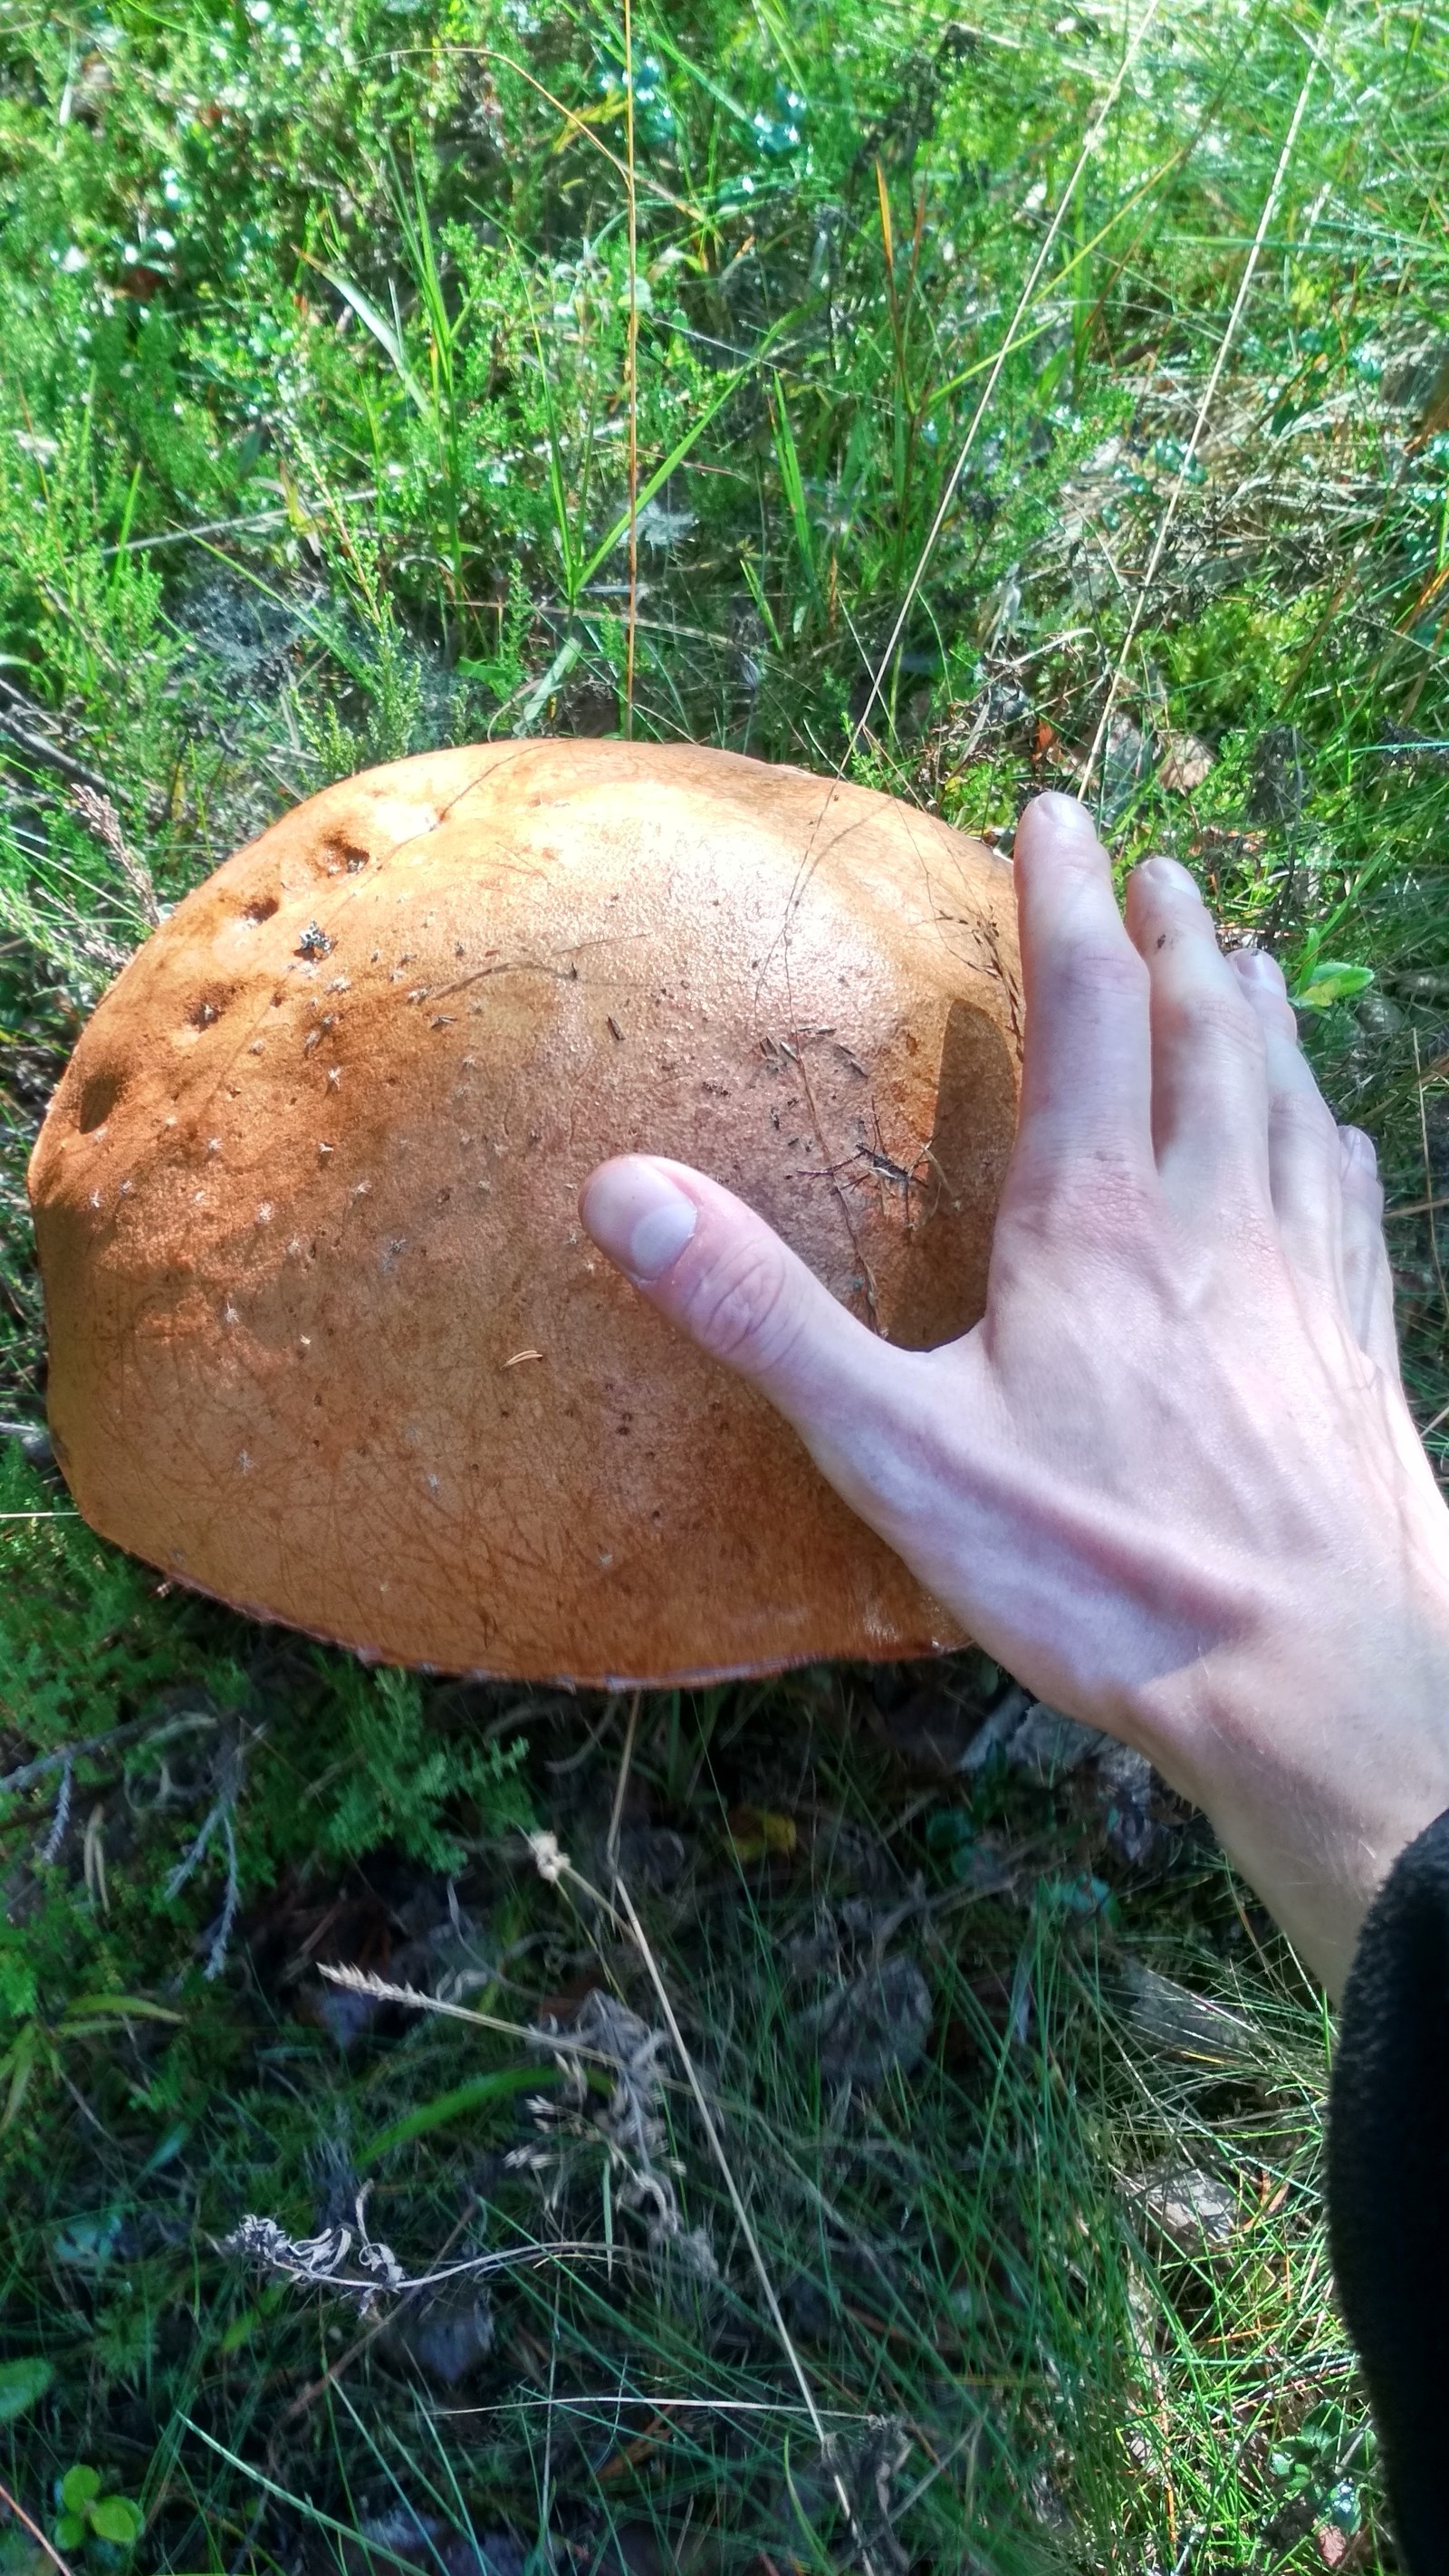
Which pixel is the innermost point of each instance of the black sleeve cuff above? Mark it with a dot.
(1388, 2186)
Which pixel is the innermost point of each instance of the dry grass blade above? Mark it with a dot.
(362, 1981)
(1245, 285)
(1089, 147)
(316, 2262)
(631, 365)
(767, 2287)
(36, 2534)
(1419, 1079)
(626, 1758)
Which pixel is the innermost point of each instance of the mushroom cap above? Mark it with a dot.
(327, 1339)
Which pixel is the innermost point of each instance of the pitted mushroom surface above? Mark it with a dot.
(327, 1339)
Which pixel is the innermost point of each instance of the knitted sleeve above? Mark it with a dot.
(1388, 2186)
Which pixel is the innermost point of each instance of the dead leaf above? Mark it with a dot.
(878, 2023)
(1193, 2210)
(758, 1833)
(1186, 2024)
(1047, 1745)
(1185, 763)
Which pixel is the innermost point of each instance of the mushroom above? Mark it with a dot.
(326, 1338)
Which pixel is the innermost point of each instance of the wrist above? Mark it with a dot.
(1318, 1747)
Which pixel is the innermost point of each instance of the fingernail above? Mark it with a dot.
(1359, 1148)
(1167, 876)
(637, 1216)
(1257, 967)
(1067, 813)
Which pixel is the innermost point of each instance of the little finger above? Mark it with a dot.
(1368, 1280)
(1304, 1158)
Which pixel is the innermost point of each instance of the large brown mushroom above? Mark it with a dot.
(326, 1337)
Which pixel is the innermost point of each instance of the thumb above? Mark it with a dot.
(726, 1279)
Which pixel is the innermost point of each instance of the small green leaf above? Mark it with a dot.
(79, 2487)
(21, 2383)
(1344, 2508)
(1328, 982)
(119, 2007)
(18, 1995)
(19, 2064)
(116, 2518)
(70, 2531)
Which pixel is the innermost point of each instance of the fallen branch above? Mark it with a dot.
(113, 1740)
(35, 747)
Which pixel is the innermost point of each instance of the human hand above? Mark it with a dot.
(1170, 1480)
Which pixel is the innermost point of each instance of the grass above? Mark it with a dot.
(377, 376)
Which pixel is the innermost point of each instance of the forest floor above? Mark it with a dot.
(1080, 371)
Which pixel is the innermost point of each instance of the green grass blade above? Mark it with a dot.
(502, 2086)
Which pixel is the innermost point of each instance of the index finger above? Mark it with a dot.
(1086, 1088)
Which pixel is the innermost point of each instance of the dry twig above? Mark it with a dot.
(36, 2534)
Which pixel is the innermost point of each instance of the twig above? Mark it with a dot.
(112, 1741)
(220, 1813)
(576, 1761)
(1415, 1207)
(970, 2438)
(61, 1819)
(614, 2398)
(307, 2397)
(579, 129)
(45, 756)
(314, 2262)
(216, 1955)
(36, 2534)
(222, 527)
